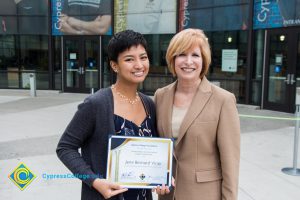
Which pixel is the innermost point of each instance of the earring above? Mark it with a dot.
(115, 69)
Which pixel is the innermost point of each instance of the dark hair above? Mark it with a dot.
(122, 41)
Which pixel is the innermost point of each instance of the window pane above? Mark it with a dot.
(214, 16)
(107, 75)
(25, 17)
(153, 16)
(257, 67)
(159, 75)
(232, 81)
(8, 7)
(57, 63)
(34, 59)
(32, 7)
(33, 25)
(8, 25)
(9, 71)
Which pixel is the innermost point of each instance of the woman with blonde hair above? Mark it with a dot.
(203, 120)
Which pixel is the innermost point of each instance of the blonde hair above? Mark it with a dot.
(185, 40)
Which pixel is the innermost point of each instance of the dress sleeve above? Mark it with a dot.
(228, 139)
(76, 134)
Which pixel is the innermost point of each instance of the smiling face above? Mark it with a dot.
(188, 65)
(132, 66)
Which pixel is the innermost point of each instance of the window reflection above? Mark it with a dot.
(33, 25)
(159, 75)
(215, 15)
(257, 70)
(278, 68)
(24, 17)
(9, 77)
(108, 77)
(57, 63)
(33, 55)
(231, 81)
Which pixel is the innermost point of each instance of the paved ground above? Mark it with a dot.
(30, 129)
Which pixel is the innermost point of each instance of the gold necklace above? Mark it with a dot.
(125, 98)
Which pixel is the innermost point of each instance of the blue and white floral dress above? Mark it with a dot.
(129, 128)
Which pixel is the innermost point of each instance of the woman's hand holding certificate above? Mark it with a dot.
(108, 189)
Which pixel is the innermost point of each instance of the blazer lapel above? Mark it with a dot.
(168, 109)
(200, 99)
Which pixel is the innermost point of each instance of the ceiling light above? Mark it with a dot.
(282, 38)
(229, 39)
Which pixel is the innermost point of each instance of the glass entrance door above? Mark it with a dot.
(281, 73)
(81, 64)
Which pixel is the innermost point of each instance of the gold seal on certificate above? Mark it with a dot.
(139, 162)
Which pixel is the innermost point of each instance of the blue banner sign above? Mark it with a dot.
(81, 17)
(275, 13)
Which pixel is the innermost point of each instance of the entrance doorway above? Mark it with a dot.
(282, 69)
(81, 63)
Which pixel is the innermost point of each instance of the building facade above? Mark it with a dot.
(255, 44)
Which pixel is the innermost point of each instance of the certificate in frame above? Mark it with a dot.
(139, 162)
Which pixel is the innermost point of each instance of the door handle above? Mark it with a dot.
(288, 79)
(80, 70)
(292, 80)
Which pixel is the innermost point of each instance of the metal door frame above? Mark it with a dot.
(292, 34)
(81, 39)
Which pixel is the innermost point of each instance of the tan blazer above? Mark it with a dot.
(207, 151)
